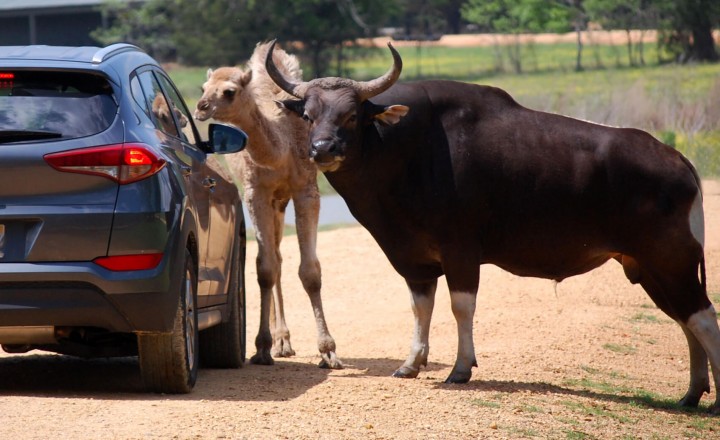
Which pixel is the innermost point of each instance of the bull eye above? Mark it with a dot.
(229, 93)
(352, 118)
(306, 117)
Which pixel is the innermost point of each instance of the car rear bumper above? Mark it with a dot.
(86, 295)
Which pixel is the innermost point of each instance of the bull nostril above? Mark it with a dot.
(313, 153)
(323, 146)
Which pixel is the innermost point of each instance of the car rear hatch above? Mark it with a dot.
(46, 213)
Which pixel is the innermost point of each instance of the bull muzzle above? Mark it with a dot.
(326, 154)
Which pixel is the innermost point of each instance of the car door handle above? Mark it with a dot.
(209, 182)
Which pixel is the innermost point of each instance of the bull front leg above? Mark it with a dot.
(422, 300)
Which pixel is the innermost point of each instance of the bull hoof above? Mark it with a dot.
(689, 401)
(458, 377)
(262, 359)
(330, 361)
(406, 373)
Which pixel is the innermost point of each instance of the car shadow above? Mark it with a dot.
(119, 379)
(51, 374)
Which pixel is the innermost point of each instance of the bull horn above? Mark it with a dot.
(368, 89)
(295, 89)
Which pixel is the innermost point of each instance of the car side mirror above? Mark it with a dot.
(225, 139)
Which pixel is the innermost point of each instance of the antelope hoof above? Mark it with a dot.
(330, 361)
(282, 348)
(262, 358)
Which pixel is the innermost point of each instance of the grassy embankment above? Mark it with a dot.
(678, 104)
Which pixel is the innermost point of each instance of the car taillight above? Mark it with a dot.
(129, 262)
(123, 163)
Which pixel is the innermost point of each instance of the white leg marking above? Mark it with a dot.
(699, 381)
(463, 307)
(704, 326)
(422, 300)
(697, 220)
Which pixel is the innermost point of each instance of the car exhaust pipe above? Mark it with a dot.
(29, 335)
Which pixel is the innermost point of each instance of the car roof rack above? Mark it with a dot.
(112, 50)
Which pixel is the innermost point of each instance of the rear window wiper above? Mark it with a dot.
(7, 136)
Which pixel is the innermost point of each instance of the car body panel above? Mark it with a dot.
(56, 223)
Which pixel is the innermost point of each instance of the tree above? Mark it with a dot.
(324, 26)
(516, 17)
(225, 32)
(147, 27)
(627, 15)
(691, 23)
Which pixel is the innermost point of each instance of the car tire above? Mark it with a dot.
(169, 361)
(223, 345)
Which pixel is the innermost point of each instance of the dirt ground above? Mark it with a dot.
(567, 361)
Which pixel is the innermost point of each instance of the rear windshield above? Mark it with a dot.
(53, 105)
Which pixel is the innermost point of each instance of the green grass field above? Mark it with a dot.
(678, 104)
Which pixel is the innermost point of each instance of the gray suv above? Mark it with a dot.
(121, 230)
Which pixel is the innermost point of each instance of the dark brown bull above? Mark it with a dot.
(448, 176)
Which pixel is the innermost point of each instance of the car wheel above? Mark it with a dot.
(169, 361)
(223, 346)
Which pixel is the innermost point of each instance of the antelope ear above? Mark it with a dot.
(244, 78)
(209, 73)
(293, 105)
(391, 114)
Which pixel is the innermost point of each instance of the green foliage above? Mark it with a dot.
(518, 16)
(149, 26)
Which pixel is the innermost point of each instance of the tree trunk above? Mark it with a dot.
(629, 47)
(578, 59)
(703, 45)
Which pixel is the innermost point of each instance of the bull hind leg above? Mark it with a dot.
(704, 327)
(684, 299)
(307, 210)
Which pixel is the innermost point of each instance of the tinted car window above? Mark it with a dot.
(160, 110)
(181, 113)
(37, 105)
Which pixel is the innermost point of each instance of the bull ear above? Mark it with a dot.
(386, 115)
(293, 105)
(392, 114)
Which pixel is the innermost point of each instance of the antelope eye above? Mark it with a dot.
(306, 117)
(229, 93)
(352, 118)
